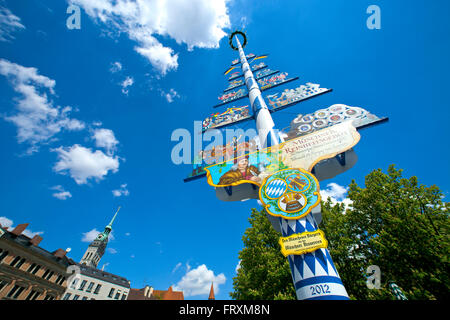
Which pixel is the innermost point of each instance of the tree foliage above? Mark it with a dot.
(264, 273)
(398, 225)
(393, 222)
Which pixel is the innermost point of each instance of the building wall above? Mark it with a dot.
(76, 291)
(24, 281)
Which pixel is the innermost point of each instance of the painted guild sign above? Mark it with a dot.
(302, 153)
(231, 115)
(264, 73)
(233, 95)
(290, 193)
(324, 118)
(292, 96)
(236, 61)
(274, 80)
(302, 243)
(255, 67)
(234, 84)
(234, 75)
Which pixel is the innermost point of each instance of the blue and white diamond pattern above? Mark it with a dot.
(314, 274)
(276, 188)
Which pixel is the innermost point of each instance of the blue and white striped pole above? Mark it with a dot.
(314, 275)
(264, 122)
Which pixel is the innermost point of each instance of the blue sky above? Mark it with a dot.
(97, 112)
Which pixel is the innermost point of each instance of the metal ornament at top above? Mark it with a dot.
(230, 39)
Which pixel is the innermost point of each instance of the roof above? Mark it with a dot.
(211, 293)
(139, 294)
(17, 237)
(168, 294)
(103, 275)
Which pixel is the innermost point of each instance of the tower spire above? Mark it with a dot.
(97, 248)
(211, 293)
(114, 218)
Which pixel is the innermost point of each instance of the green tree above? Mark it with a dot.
(398, 225)
(393, 222)
(264, 273)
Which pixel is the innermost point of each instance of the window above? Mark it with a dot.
(46, 273)
(117, 295)
(74, 283)
(84, 298)
(15, 292)
(31, 267)
(36, 269)
(33, 295)
(48, 277)
(111, 292)
(124, 297)
(89, 288)
(67, 296)
(76, 297)
(3, 284)
(3, 255)
(21, 262)
(17, 262)
(58, 279)
(49, 297)
(82, 285)
(97, 288)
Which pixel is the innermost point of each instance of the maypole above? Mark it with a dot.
(284, 175)
(264, 122)
(314, 274)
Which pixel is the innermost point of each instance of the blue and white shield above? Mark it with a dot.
(276, 188)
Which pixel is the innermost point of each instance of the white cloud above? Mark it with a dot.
(127, 234)
(83, 164)
(198, 281)
(196, 23)
(36, 118)
(8, 224)
(115, 67)
(238, 266)
(170, 96)
(179, 264)
(104, 138)
(128, 82)
(61, 194)
(111, 250)
(92, 235)
(5, 222)
(122, 191)
(9, 23)
(337, 194)
(105, 265)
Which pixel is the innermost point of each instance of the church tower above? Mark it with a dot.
(97, 247)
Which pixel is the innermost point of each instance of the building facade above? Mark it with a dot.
(89, 283)
(27, 271)
(93, 284)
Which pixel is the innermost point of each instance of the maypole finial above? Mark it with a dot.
(235, 33)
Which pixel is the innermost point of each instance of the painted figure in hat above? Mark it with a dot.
(241, 170)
